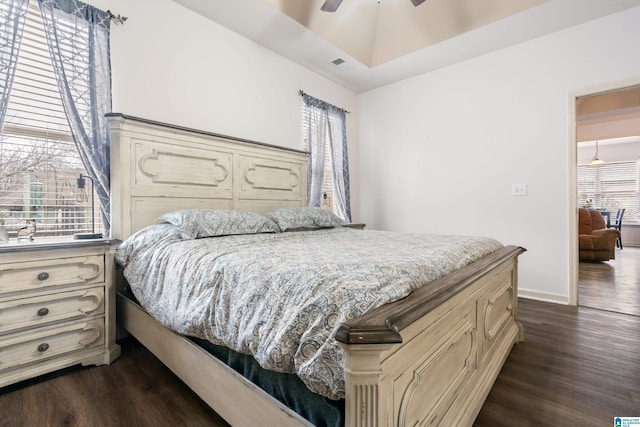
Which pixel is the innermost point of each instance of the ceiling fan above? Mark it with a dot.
(332, 5)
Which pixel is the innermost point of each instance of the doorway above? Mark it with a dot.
(607, 127)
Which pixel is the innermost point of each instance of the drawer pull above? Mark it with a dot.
(43, 312)
(43, 276)
(43, 347)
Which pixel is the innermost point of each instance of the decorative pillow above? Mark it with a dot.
(196, 223)
(304, 218)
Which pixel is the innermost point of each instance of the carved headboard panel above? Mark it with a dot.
(157, 168)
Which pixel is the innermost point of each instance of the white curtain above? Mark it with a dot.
(326, 128)
(78, 39)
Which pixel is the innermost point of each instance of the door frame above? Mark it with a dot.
(573, 175)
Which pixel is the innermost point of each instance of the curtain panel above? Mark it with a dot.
(13, 14)
(329, 132)
(78, 39)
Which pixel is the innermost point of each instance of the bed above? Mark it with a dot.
(429, 358)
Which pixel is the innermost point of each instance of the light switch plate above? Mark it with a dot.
(519, 190)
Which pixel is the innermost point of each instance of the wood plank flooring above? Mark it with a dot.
(578, 366)
(612, 285)
(135, 390)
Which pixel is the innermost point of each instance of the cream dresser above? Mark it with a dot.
(57, 306)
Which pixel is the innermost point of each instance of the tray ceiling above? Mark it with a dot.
(374, 32)
(381, 43)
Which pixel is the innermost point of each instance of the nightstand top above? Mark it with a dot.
(48, 243)
(357, 226)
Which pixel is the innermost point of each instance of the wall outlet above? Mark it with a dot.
(519, 190)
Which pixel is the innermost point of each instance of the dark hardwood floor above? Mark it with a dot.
(578, 366)
(612, 285)
(135, 390)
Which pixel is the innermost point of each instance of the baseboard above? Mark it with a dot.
(543, 296)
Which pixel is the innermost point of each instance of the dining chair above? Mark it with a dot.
(618, 226)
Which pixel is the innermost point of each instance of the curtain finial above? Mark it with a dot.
(118, 19)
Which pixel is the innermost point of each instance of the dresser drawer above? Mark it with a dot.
(33, 275)
(38, 311)
(20, 349)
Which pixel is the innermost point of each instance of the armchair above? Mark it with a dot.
(596, 242)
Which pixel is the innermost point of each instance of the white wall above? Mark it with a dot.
(436, 153)
(172, 65)
(439, 152)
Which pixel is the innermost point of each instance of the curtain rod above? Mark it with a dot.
(117, 18)
(302, 93)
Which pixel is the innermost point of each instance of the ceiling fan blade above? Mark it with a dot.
(417, 2)
(332, 5)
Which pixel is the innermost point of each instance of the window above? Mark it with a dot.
(325, 137)
(39, 162)
(611, 186)
(327, 181)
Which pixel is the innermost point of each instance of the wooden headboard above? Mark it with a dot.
(157, 168)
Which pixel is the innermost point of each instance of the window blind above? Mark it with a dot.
(39, 162)
(611, 186)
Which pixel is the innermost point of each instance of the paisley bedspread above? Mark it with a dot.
(280, 297)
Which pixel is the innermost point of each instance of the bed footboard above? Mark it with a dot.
(432, 358)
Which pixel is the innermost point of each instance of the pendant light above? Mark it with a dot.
(596, 161)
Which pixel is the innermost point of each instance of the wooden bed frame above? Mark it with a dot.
(428, 359)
